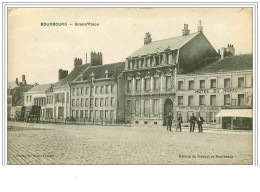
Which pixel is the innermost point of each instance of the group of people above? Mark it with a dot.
(192, 120)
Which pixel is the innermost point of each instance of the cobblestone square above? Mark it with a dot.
(31, 143)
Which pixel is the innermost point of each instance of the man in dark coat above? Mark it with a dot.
(192, 122)
(200, 121)
(179, 122)
(169, 122)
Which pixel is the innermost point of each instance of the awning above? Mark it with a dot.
(235, 113)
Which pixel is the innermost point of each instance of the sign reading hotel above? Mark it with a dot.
(214, 90)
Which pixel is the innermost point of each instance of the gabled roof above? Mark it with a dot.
(40, 88)
(228, 64)
(160, 46)
(11, 85)
(72, 76)
(113, 69)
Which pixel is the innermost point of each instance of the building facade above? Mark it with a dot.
(224, 84)
(151, 74)
(96, 94)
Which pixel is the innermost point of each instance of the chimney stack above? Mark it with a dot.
(62, 74)
(16, 81)
(77, 62)
(200, 28)
(185, 31)
(147, 38)
(96, 58)
(227, 51)
(23, 80)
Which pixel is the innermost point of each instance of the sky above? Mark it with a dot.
(40, 51)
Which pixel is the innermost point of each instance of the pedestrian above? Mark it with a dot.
(192, 122)
(169, 122)
(200, 121)
(179, 122)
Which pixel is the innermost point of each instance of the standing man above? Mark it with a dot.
(192, 122)
(200, 121)
(169, 122)
(179, 122)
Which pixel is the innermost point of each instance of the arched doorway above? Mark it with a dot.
(168, 108)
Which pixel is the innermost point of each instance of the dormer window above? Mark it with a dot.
(106, 74)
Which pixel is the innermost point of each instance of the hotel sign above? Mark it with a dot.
(215, 90)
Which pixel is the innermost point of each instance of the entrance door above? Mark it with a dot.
(168, 108)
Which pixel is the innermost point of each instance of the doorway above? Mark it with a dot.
(168, 108)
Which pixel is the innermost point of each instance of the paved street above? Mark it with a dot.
(30, 143)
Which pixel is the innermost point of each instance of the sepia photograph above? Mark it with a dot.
(130, 86)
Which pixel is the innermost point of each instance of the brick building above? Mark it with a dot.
(151, 72)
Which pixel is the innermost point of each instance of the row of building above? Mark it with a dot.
(184, 74)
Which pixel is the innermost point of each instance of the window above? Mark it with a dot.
(106, 102)
(180, 85)
(82, 102)
(101, 102)
(146, 107)
(213, 83)
(212, 118)
(87, 91)
(128, 107)
(202, 99)
(137, 106)
(77, 103)
(180, 100)
(112, 101)
(241, 99)
(106, 114)
(102, 89)
(107, 88)
(92, 89)
(30, 98)
(147, 84)
(213, 100)
(27, 98)
(168, 82)
(156, 83)
(191, 84)
(86, 102)
(82, 91)
(73, 113)
(96, 89)
(156, 106)
(91, 103)
(73, 102)
(227, 83)
(67, 97)
(77, 114)
(86, 113)
(81, 114)
(112, 89)
(202, 84)
(241, 82)
(111, 114)
(190, 100)
(96, 114)
(77, 91)
(96, 102)
(138, 85)
(129, 85)
(226, 99)
(73, 91)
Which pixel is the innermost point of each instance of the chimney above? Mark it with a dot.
(23, 80)
(185, 31)
(96, 59)
(35, 84)
(16, 81)
(77, 62)
(200, 28)
(86, 58)
(223, 52)
(62, 74)
(147, 38)
(219, 52)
